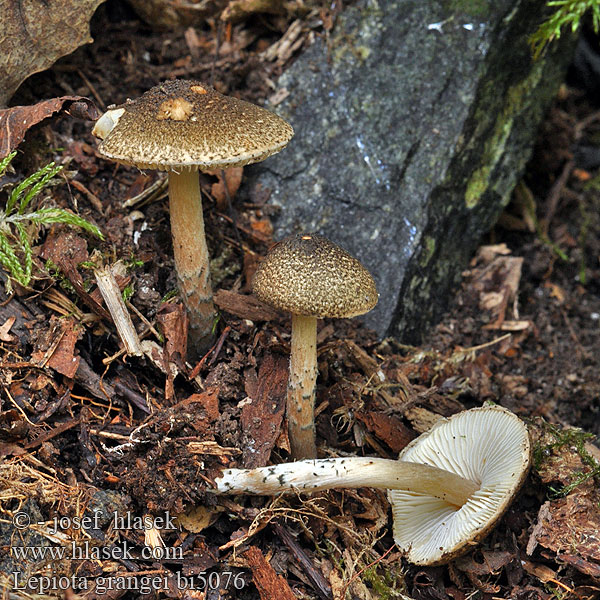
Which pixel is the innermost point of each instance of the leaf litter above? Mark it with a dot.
(88, 430)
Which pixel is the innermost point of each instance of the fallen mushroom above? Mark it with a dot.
(310, 277)
(182, 127)
(447, 489)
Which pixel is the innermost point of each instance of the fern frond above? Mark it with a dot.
(35, 183)
(568, 15)
(16, 252)
(10, 261)
(26, 249)
(48, 172)
(5, 162)
(48, 216)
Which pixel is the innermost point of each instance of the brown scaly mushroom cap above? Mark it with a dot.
(187, 124)
(306, 274)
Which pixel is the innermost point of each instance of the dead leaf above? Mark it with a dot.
(233, 177)
(57, 349)
(198, 518)
(5, 336)
(17, 120)
(542, 572)
(491, 564)
(36, 34)
(173, 323)
(174, 14)
(241, 9)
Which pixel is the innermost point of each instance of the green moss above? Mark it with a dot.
(384, 584)
(473, 8)
(427, 252)
(222, 266)
(574, 439)
(493, 150)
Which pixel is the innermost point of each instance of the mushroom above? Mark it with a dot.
(310, 277)
(182, 127)
(447, 489)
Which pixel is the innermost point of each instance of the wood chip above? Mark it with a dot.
(263, 414)
(268, 583)
(244, 307)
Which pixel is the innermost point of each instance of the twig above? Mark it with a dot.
(319, 584)
(92, 89)
(554, 195)
(116, 307)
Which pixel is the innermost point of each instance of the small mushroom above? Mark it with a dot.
(182, 127)
(447, 489)
(310, 277)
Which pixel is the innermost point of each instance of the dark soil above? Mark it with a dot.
(126, 435)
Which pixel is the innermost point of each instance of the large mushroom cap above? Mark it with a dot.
(306, 274)
(189, 124)
(489, 445)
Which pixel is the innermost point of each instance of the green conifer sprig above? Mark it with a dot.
(567, 15)
(16, 252)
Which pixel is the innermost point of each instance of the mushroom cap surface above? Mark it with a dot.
(489, 445)
(187, 124)
(307, 274)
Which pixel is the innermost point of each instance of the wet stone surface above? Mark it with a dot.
(409, 185)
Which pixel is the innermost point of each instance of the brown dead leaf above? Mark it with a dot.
(17, 120)
(241, 9)
(491, 562)
(36, 34)
(174, 14)
(57, 348)
(263, 227)
(5, 336)
(233, 177)
(495, 278)
(173, 323)
(197, 518)
(542, 572)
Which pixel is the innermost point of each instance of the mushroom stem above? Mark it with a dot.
(191, 256)
(301, 387)
(324, 474)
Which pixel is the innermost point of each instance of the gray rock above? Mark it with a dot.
(413, 122)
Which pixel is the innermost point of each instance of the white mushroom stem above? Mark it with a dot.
(301, 387)
(191, 256)
(324, 474)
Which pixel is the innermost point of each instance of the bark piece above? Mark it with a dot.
(268, 583)
(263, 414)
(244, 307)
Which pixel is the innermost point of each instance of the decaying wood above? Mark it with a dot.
(268, 583)
(244, 307)
(263, 413)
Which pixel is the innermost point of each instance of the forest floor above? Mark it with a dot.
(85, 430)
